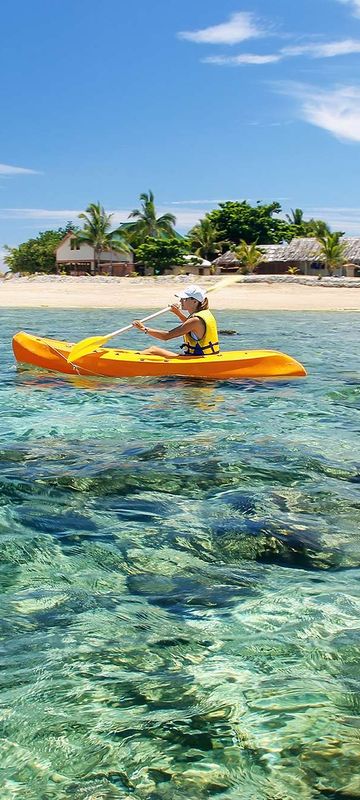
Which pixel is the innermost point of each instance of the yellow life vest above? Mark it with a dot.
(209, 343)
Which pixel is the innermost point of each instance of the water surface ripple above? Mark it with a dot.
(180, 572)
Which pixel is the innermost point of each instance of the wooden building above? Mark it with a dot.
(80, 259)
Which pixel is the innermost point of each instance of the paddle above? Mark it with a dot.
(87, 346)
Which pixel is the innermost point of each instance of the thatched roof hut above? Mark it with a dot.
(308, 249)
(303, 253)
(228, 261)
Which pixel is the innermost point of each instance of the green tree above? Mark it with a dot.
(239, 221)
(205, 240)
(161, 254)
(147, 223)
(98, 234)
(38, 254)
(249, 256)
(332, 251)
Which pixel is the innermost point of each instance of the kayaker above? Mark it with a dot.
(198, 326)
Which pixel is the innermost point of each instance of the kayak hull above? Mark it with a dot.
(51, 354)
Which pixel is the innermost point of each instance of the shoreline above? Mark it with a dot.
(251, 293)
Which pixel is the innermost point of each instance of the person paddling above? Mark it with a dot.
(198, 327)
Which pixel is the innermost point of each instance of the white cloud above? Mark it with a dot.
(7, 169)
(355, 5)
(240, 26)
(326, 50)
(335, 110)
(312, 49)
(242, 59)
(37, 214)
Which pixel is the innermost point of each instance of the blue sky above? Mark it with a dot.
(200, 101)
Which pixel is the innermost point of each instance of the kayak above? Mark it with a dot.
(109, 362)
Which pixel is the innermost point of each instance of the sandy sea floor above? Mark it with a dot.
(137, 293)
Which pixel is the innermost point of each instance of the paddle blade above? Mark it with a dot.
(85, 347)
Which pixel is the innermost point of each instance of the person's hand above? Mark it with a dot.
(175, 308)
(138, 324)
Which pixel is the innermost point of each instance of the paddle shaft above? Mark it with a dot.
(87, 346)
(229, 279)
(145, 319)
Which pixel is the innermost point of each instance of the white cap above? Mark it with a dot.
(192, 291)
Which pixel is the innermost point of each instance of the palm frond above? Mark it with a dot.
(167, 219)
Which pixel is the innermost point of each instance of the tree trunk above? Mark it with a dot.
(97, 254)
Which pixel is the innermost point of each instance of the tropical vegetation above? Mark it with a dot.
(98, 234)
(37, 254)
(147, 223)
(161, 254)
(331, 251)
(249, 256)
(205, 240)
(239, 221)
(235, 225)
(296, 217)
(317, 227)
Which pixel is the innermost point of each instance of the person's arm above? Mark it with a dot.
(180, 330)
(177, 310)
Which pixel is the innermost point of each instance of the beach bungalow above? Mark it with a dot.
(303, 254)
(80, 259)
(227, 262)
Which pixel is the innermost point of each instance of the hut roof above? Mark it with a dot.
(272, 252)
(296, 250)
(352, 249)
(299, 249)
(227, 259)
(302, 249)
(308, 249)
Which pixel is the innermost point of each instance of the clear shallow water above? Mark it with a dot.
(180, 574)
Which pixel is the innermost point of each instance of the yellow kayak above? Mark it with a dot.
(109, 362)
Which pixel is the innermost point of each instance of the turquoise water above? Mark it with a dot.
(180, 573)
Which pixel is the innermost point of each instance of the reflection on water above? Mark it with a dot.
(180, 576)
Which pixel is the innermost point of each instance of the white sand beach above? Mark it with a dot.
(143, 293)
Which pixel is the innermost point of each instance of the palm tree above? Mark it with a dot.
(147, 223)
(317, 227)
(205, 240)
(296, 217)
(331, 251)
(249, 255)
(98, 234)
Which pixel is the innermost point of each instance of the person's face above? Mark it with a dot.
(189, 304)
